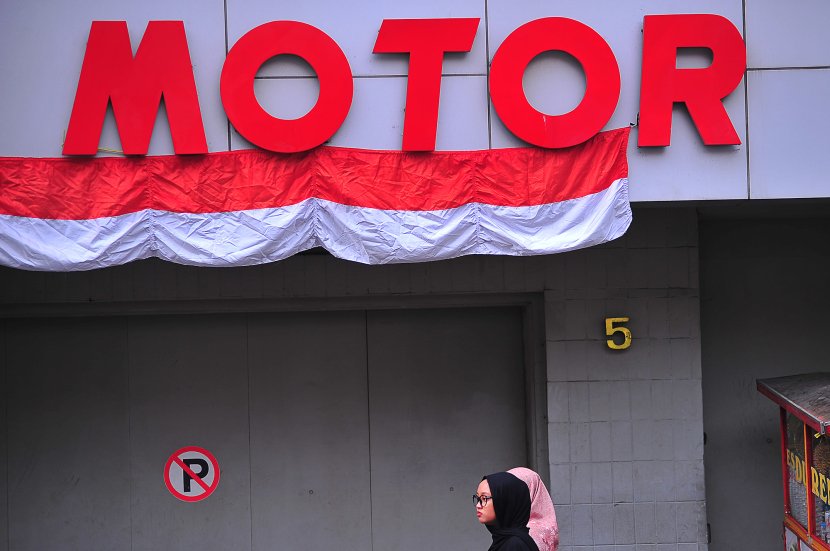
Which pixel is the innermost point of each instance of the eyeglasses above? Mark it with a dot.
(481, 500)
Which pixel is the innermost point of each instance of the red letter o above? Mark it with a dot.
(321, 52)
(601, 71)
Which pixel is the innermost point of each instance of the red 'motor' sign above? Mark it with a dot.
(162, 66)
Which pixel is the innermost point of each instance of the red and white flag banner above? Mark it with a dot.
(250, 207)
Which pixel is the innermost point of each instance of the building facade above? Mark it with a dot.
(359, 405)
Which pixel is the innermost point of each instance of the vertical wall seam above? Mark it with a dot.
(129, 434)
(226, 56)
(487, 66)
(250, 469)
(369, 425)
(8, 487)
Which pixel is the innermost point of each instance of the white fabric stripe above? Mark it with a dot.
(69, 245)
(370, 236)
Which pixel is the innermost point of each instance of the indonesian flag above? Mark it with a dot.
(250, 207)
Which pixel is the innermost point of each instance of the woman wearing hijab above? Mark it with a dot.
(503, 506)
(542, 524)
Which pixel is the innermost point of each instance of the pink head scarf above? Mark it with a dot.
(542, 524)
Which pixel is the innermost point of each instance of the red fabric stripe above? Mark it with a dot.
(78, 189)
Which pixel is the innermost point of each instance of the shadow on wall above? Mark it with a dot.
(764, 304)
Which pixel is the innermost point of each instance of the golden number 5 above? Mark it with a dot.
(610, 330)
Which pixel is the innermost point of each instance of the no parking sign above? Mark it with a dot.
(191, 473)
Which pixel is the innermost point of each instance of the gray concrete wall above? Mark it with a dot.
(69, 465)
(626, 430)
(345, 429)
(625, 427)
(764, 304)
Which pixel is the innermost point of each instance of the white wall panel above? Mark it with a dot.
(788, 120)
(42, 50)
(376, 118)
(687, 169)
(355, 28)
(787, 34)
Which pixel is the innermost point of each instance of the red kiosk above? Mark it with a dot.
(805, 454)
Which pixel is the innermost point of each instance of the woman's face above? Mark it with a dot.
(486, 513)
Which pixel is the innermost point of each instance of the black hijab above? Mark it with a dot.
(511, 503)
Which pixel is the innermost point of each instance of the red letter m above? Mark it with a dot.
(161, 67)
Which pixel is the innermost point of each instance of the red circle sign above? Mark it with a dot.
(191, 473)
